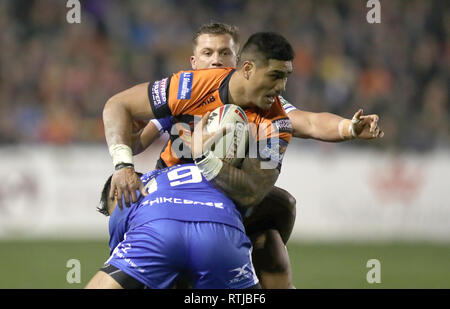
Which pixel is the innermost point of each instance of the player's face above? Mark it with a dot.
(266, 82)
(214, 51)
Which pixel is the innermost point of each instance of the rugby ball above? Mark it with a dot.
(231, 147)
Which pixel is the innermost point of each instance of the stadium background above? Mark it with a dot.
(385, 200)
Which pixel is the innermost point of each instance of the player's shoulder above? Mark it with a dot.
(278, 118)
(190, 86)
(277, 109)
(149, 175)
(287, 106)
(204, 73)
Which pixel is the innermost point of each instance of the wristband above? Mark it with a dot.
(209, 165)
(121, 153)
(123, 165)
(346, 129)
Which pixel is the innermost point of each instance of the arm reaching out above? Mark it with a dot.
(333, 128)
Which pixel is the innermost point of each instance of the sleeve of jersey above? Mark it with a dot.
(172, 96)
(163, 124)
(288, 107)
(273, 143)
(158, 95)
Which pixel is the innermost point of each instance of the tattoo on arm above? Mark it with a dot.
(246, 186)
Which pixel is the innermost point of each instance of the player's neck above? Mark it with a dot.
(236, 91)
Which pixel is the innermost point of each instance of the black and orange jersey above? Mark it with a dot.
(194, 93)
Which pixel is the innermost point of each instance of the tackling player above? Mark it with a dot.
(184, 228)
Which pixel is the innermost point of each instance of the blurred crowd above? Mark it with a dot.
(55, 77)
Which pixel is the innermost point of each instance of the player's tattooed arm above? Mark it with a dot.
(246, 186)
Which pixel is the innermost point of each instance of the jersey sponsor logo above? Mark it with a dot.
(283, 125)
(185, 86)
(173, 200)
(159, 92)
(208, 100)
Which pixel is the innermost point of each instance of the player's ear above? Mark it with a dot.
(193, 62)
(247, 68)
(111, 204)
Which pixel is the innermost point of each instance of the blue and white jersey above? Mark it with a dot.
(180, 193)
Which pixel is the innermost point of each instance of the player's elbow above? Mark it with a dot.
(252, 197)
(113, 110)
(247, 201)
(112, 104)
(109, 108)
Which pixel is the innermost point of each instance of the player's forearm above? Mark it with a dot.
(136, 145)
(144, 138)
(247, 186)
(234, 183)
(149, 135)
(326, 127)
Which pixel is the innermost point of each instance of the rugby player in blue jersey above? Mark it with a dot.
(185, 228)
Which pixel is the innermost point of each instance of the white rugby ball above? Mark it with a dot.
(231, 148)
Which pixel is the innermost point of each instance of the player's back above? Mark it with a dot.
(180, 193)
(183, 227)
